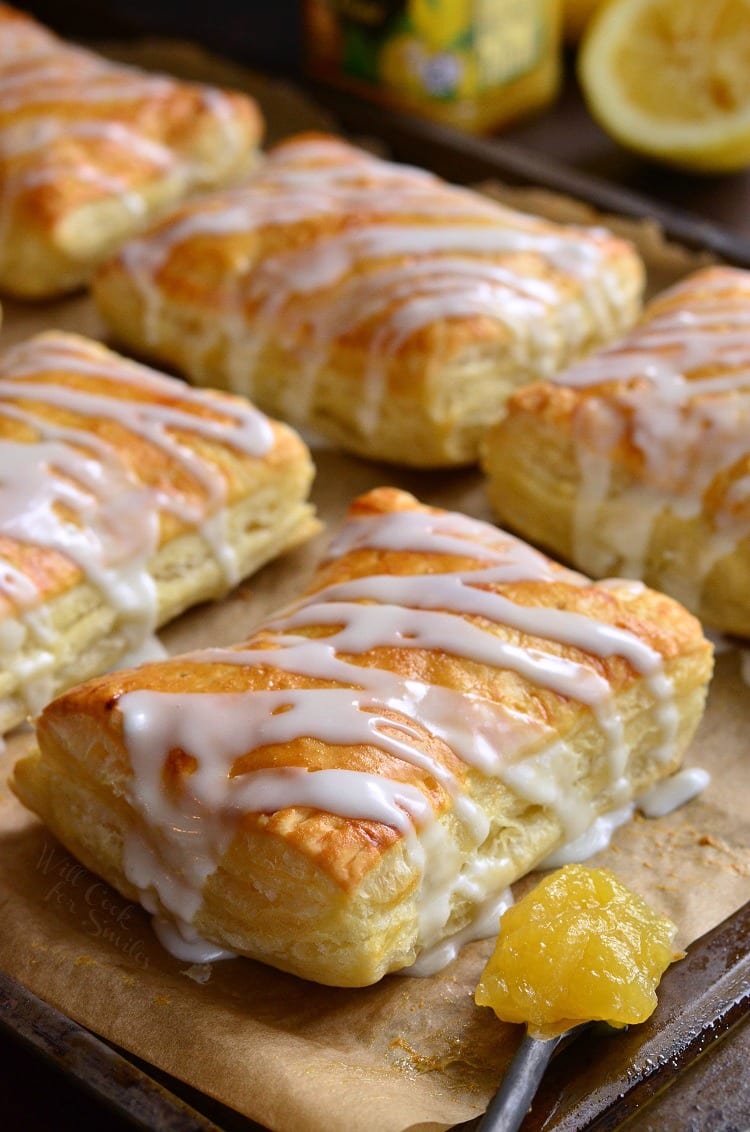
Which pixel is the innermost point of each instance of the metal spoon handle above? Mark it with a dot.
(512, 1100)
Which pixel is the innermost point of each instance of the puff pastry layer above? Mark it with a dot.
(372, 302)
(366, 774)
(125, 497)
(90, 151)
(637, 461)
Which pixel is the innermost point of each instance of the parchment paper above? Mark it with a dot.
(408, 1053)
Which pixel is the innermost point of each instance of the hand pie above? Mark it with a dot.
(125, 497)
(372, 302)
(637, 461)
(90, 151)
(363, 777)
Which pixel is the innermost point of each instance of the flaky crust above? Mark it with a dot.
(638, 462)
(90, 151)
(372, 302)
(341, 899)
(64, 397)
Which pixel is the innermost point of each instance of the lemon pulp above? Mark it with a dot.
(671, 78)
(579, 947)
(688, 62)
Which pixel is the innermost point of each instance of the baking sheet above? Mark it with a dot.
(408, 1053)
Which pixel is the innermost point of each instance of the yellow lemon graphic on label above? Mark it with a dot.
(439, 23)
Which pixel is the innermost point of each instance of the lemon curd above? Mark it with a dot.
(471, 63)
(579, 947)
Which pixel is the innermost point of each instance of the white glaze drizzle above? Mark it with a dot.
(183, 838)
(67, 489)
(661, 799)
(149, 650)
(673, 792)
(484, 926)
(593, 840)
(184, 943)
(683, 402)
(482, 732)
(403, 250)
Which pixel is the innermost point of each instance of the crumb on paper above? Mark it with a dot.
(419, 1062)
(726, 856)
(694, 845)
(450, 1059)
(161, 1000)
(198, 972)
(84, 960)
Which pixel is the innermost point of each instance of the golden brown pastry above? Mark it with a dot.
(125, 497)
(90, 151)
(372, 302)
(362, 778)
(637, 461)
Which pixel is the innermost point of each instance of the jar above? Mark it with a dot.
(475, 64)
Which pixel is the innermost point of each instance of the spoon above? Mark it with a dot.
(519, 1085)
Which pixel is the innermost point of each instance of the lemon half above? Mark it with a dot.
(671, 79)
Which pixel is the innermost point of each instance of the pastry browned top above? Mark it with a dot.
(331, 249)
(669, 402)
(76, 129)
(396, 609)
(93, 445)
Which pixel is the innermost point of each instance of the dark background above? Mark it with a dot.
(262, 32)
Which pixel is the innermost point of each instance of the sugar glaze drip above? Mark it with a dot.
(673, 792)
(454, 610)
(484, 926)
(685, 394)
(403, 251)
(68, 490)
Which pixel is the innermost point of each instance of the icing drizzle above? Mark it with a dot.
(67, 488)
(682, 397)
(389, 251)
(358, 700)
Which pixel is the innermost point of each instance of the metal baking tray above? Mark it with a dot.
(597, 1083)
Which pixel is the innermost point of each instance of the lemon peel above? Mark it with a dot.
(671, 79)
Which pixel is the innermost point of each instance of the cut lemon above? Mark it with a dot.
(671, 79)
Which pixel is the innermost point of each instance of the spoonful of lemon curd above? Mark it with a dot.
(579, 948)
